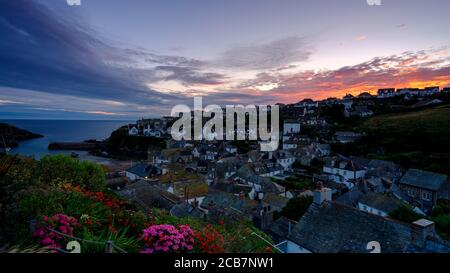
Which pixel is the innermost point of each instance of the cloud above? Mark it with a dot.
(409, 69)
(4, 102)
(361, 38)
(187, 76)
(53, 53)
(271, 55)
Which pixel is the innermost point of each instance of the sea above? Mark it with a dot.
(62, 131)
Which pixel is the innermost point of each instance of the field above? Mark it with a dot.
(414, 139)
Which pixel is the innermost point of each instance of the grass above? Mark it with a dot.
(417, 138)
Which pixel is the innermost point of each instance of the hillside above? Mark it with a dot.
(11, 135)
(418, 138)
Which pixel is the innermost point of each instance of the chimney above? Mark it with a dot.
(321, 195)
(421, 230)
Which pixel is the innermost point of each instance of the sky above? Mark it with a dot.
(117, 59)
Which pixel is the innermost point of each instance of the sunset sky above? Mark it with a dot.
(125, 59)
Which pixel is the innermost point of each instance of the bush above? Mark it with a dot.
(86, 174)
(168, 239)
(405, 214)
(209, 240)
(59, 222)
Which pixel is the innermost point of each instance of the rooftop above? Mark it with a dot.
(424, 179)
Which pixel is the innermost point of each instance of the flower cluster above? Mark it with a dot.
(108, 200)
(59, 222)
(168, 239)
(209, 240)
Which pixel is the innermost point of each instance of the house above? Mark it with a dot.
(275, 201)
(365, 95)
(386, 93)
(329, 227)
(183, 156)
(231, 149)
(387, 171)
(424, 188)
(408, 92)
(186, 210)
(142, 171)
(429, 91)
(307, 103)
(218, 205)
(290, 144)
(285, 159)
(280, 229)
(358, 111)
(347, 137)
(348, 97)
(291, 127)
(347, 101)
(148, 196)
(427, 102)
(322, 149)
(133, 131)
(345, 169)
(379, 204)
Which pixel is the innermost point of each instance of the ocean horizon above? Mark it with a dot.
(61, 131)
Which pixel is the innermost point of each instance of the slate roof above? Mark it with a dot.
(144, 170)
(333, 228)
(424, 179)
(218, 200)
(184, 209)
(147, 196)
(280, 229)
(350, 198)
(381, 202)
(231, 188)
(276, 201)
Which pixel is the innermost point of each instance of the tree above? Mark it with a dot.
(405, 214)
(295, 208)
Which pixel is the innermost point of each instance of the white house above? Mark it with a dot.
(379, 204)
(386, 93)
(289, 144)
(133, 131)
(285, 159)
(291, 127)
(346, 169)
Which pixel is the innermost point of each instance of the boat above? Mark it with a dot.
(74, 155)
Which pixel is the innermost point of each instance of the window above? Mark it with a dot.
(426, 196)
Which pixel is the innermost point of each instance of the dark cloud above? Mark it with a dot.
(187, 76)
(51, 53)
(270, 55)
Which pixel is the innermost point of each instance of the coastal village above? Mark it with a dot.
(348, 200)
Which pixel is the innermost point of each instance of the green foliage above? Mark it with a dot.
(243, 146)
(122, 144)
(296, 183)
(441, 216)
(86, 174)
(120, 238)
(403, 136)
(32, 189)
(405, 214)
(295, 208)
